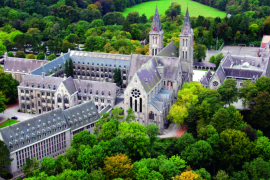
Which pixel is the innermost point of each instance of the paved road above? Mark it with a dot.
(12, 111)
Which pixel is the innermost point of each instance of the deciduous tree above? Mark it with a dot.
(83, 138)
(228, 91)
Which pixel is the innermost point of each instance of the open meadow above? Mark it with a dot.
(195, 8)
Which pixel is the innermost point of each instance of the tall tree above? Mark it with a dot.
(248, 91)
(221, 120)
(117, 77)
(199, 52)
(117, 113)
(4, 159)
(8, 86)
(30, 167)
(228, 91)
(83, 138)
(130, 115)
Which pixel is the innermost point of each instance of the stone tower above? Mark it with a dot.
(155, 36)
(186, 47)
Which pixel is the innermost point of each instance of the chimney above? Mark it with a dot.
(242, 62)
(68, 49)
(43, 74)
(29, 71)
(65, 76)
(62, 54)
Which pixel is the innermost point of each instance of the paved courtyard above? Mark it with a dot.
(12, 111)
(241, 50)
(198, 74)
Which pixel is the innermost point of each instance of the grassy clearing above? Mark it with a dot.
(195, 8)
(8, 122)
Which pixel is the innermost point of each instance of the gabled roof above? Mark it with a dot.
(161, 99)
(186, 28)
(156, 25)
(21, 65)
(81, 115)
(17, 135)
(169, 51)
(205, 79)
(137, 61)
(52, 67)
(70, 85)
(149, 75)
(41, 82)
(170, 65)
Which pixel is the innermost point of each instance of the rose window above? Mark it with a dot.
(135, 93)
(215, 83)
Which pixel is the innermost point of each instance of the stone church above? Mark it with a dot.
(150, 83)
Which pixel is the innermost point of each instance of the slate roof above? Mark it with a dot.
(81, 115)
(17, 135)
(156, 25)
(204, 64)
(21, 65)
(36, 81)
(205, 79)
(100, 59)
(97, 88)
(171, 66)
(137, 61)
(161, 99)
(149, 75)
(52, 67)
(70, 85)
(169, 51)
(242, 73)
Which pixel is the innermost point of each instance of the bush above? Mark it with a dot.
(41, 56)
(51, 57)
(10, 54)
(20, 54)
(19, 110)
(30, 56)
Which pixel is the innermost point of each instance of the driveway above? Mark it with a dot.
(12, 111)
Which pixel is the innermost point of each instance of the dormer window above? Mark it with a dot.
(43, 86)
(103, 93)
(97, 92)
(33, 84)
(54, 87)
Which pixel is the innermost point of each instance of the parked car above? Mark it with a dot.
(2, 62)
(14, 117)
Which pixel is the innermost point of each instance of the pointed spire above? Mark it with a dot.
(156, 25)
(186, 29)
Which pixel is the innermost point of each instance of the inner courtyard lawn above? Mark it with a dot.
(8, 122)
(195, 8)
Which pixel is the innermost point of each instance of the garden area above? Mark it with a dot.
(8, 123)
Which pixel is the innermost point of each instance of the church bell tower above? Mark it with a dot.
(186, 47)
(155, 36)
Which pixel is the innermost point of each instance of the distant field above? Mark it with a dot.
(195, 8)
(8, 122)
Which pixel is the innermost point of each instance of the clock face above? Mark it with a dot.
(215, 83)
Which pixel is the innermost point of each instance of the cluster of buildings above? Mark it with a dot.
(69, 105)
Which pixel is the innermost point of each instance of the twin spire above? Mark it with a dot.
(156, 25)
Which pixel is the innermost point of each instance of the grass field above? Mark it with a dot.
(195, 8)
(8, 122)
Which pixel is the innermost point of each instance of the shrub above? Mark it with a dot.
(41, 56)
(30, 56)
(20, 54)
(10, 54)
(51, 57)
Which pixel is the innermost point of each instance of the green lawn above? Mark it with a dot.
(195, 8)
(8, 122)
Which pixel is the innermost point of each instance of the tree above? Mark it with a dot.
(83, 138)
(70, 174)
(41, 56)
(30, 56)
(69, 68)
(199, 52)
(51, 57)
(258, 169)
(20, 54)
(221, 175)
(260, 113)
(117, 113)
(198, 154)
(228, 91)
(203, 173)
(105, 117)
(130, 115)
(133, 17)
(95, 43)
(8, 86)
(133, 135)
(3, 102)
(263, 84)
(8, 45)
(235, 148)
(188, 175)
(108, 131)
(126, 26)
(221, 120)
(117, 76)
(48, 165)
(4, 159)
(30, 167)
(118, 166)
(152, 132)
(263, 146)
(248, 91)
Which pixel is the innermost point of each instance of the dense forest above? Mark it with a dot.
(221, 143)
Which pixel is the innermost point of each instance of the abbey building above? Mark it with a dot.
(150, 83)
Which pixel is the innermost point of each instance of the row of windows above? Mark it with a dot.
(42, 149)
(38, 95)
(101, 64)
(97, 69)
